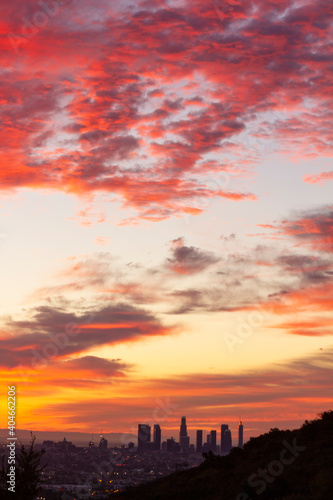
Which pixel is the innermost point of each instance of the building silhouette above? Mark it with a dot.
(224, 427)
(184, 440)
(228, 440)
(65, 446)
(157, 437)
(240, 435)
(213, 441)
(143, 436)
(171, 445)
(199, 442)
(183, 428)
(103, 444)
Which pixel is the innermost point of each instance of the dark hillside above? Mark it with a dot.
(281, 465)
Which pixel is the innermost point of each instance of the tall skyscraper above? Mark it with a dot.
(143, 436)
(157, 437)
(213, 440)
(183, 428)
(199, 441)
(224, 427)
(103, 444)
(184, 439)
(240, 435)
(228, 440)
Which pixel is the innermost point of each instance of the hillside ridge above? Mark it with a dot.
(277, 465)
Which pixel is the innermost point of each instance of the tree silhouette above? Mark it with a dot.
(27, 473)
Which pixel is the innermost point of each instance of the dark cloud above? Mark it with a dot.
(231, 237)
(50, 332)
(310, 268)
(98, 367)
(189, 260)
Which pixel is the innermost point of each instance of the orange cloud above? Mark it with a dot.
(319, 178)
(314, 299)
(316, 327)
(314, 228)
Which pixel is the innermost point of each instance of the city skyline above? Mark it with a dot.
(145, 443)
(151, 434)
(166, 214)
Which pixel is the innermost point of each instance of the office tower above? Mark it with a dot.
(183, 428)
(157, 437)
(103, 444)
(228, 440)
(213, 440)
(224, 427)
(199, 441)
(208, 441)
(185, 443)
(143, 436)
(240, 435)
(184, 440)
(170, 444)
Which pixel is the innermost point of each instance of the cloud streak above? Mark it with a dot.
(47, 327)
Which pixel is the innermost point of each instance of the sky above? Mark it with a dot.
(166, 213)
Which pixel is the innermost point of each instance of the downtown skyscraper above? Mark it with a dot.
(143, 436)
(224, 428)
(240, 435)
(199, 441)
(157, 437)
(213, 441)
(184, 439)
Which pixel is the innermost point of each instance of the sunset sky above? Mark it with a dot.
(166, 213)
